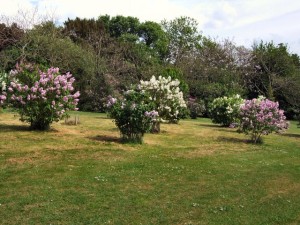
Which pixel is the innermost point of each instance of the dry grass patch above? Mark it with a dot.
(281, 186)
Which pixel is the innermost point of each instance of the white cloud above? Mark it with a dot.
(11, 7)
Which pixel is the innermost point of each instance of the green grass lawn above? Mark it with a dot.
(192, 173)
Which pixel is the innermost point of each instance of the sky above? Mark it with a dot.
(242, 21)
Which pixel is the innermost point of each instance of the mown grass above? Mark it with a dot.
(192, 173)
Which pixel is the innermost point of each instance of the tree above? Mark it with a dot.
(273, 65)
(120, 58)
(183, 36)
(9, 35)
(92, 35)
(118, 26)
(154, 37)
(276, 73)
(213, 71)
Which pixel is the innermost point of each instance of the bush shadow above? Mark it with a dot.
(9, 127)
(291, 135)
(209, 125)
(103, 117)
(233, 140)
(106, 138)
(227, 129)
(15, 128)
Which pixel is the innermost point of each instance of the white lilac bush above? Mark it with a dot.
(41, 97)
(3, 84)
(261, 117)
(225, 110)
(166, 96)
(132, 115)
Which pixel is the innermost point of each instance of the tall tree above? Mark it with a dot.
(183, 36)
(213, 70)
(120, 25)
(276, 73)
(274, 66)
(152, 34)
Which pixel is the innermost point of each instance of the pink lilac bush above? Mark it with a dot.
(2, 98)
(261, 117)
(45, 98)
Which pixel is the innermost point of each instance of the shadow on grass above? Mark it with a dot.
(233, 140)
(209, 125)
(15, 128)
(227, 129)
(6, 127)
(103, 117)
(291, 135)
(105, 138)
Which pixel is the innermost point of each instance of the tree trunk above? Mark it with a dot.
(155, 127)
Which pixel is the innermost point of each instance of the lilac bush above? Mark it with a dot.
(3, 84)
(132, 115)
(42, 97)
(261, 117)
(166, 96)
(225, 110)
(167, 99)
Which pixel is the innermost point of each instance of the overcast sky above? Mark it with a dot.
(242, 21)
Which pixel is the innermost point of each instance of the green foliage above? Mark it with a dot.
(225, 110)
(176, 74)
(183, 37)
(132, 115)
(154, 37)
(277, 72)
(120, 25)
(213, 71)
(80, 30)
(107, 54)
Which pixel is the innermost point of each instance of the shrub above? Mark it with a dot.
(132, 115)
(225, 110)
(166, 96)
(261, 117)
(41, 97)
(3, 84)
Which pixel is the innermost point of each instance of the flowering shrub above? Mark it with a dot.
(261, 117)
(42, 97)
(225, 110)
(166, 96)
(3, 83)
(132, 115)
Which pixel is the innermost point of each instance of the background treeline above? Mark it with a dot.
(108, 54)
